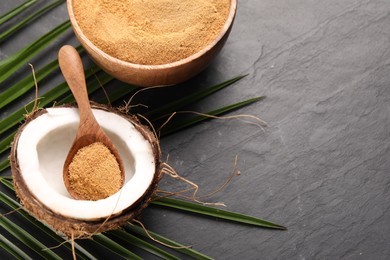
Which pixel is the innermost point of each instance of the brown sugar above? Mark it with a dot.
(94, 172)
(151, 32)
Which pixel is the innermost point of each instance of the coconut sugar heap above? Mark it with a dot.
(94, 172)
(151, 32)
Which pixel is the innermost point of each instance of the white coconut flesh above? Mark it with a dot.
(43, 146)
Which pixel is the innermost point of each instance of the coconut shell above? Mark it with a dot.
(80, 228)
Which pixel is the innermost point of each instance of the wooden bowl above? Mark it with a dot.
(154, 75)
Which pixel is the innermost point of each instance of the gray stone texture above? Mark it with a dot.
(321, 167)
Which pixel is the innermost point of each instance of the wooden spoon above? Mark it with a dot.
(89, 131)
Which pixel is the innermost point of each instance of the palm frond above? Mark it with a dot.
(131, 239)
(189, 99)
(115, 247)
(23, 86)
(45, 99)
(14, 12)
(170, 129)
(21, 24)
(174, 245)
(12, 204)
(214, 212)
(4, 165)
(10, 65)
(12, 249)
(27, 239)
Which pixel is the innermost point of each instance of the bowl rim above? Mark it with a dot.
(225, 28)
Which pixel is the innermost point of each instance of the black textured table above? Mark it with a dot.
(321, 167)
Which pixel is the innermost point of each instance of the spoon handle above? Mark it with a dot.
(73, 71)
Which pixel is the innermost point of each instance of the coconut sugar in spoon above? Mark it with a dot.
(88, 134)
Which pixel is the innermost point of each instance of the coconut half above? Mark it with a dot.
(37, 158)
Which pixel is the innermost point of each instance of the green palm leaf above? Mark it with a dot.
(14, 12)
(174, 245)
(197, 119)
(115, 247)
(4, 165)
(26, 84)
(27, 239)
(187, 100)
(12, 63)
(21, 24)
(5, 144)
(12, 248)
(80, 251)
(213, 212)
(46, 99)
(129, 238)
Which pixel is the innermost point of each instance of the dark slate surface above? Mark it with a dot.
(321, 167)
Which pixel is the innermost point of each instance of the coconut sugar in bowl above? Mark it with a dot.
(152, 42)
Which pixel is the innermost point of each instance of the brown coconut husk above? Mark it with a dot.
(80, 228)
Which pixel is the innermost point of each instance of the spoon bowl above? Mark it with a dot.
(89, 131)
